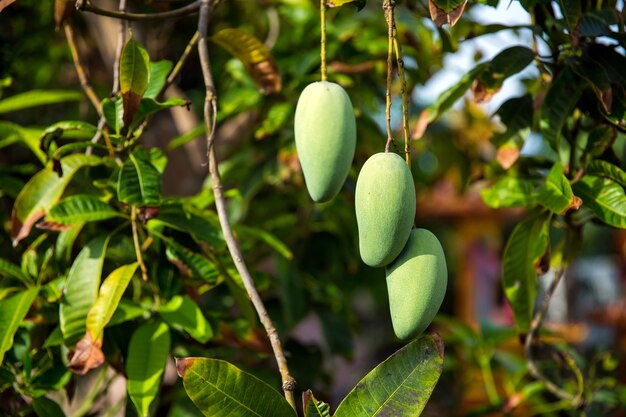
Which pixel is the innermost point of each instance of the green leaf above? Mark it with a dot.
(401, 385)
(134, 77)
(12, 312)
(147, 354)
(558, 104)
(178, 217)
(220, 389)
(359, 4)
(599, 139)
(194, 263)
(516, 114)
(509, 192)
(70, 129)
(126, 310)
(605, 169)
(312, 407)
(42, 191)
(81, 288)
(109, 297)
(158, 75)
(80, 208)
(572, 12)
(10, 270)
(556, 194)
(113, 112)
(254, 55)
(525, 247)
(139, 183)
(605, 197)
(271, 240)
(150, 106)
(185, 138)
(34, 98)
(182, 313)
(12, 133)
(45, 407)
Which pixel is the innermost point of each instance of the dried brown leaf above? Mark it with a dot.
(5, 3)
(87, 355)
(440, 17)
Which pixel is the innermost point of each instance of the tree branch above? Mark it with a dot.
(405, 97)
(388, 9)
(80, 70)
(83, 5)
(210, 119)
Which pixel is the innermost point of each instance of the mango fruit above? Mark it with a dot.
(385, 208)
(416, 282)
(325, 132)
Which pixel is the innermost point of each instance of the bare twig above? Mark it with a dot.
(388, 9)
(210, 119)
(575, 400)
(80, 70)
(83, 5)
(121, 38)
(405, 98)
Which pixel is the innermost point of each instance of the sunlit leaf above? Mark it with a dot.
(605, 197)
(182, 313)
(220, 389)
(113, 112)
(399, 386)
(80, 208)
(523, 250)
(509, 192)
(202, 230)
(145, 363)
(134, 77)
(606, 169)
(35, 98)
(255, 56)
(42, 191)
(158, 74)
(9, 269)
(556, 193)
(359, 4)
(12, 312)
(81, 288)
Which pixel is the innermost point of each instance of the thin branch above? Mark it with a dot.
(273, 22)
(181, 61)
(575, 400)
(121, 38)
(405, 98)
(80, 70)
(210, 119)
(189, 9)
(323, 39)
(388, 9)
(133, 223)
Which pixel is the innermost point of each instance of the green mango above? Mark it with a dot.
(416, 282)
(325, 131)
(385, 208)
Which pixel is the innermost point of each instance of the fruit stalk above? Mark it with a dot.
(405, 98)
(323, 39)
(210, 119)
(388, 9)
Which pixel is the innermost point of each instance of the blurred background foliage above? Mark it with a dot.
(331, 310)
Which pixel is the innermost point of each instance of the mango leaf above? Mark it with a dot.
(312, 407)
(507, 63)
(126, 310)
(158, 75)
(109, 297)
(182, 313)
(134, 77)
(12, 312)
(194, 263)
(605, 169)
(80, 208)
(150, 106)
(70, 129)
(525, 247)
(446, 11)
(139, 183)
(113, 112)
(42, 191)
(271, 240)
(599, 139)
(81, 288)
(605, 197)
(10, 270)
(254, 55)
(509, 192)
(359, 4)
(45, 407)
(185, 138)
(558, 104)
(401, 385)
(556, 193)
(35, 98)
(178, 217)
(572, 12)
(220, 389)
(516, 114)
(147, 354)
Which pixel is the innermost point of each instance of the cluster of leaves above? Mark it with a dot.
(84, 211)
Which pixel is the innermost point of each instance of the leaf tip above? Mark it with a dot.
(182, 364)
